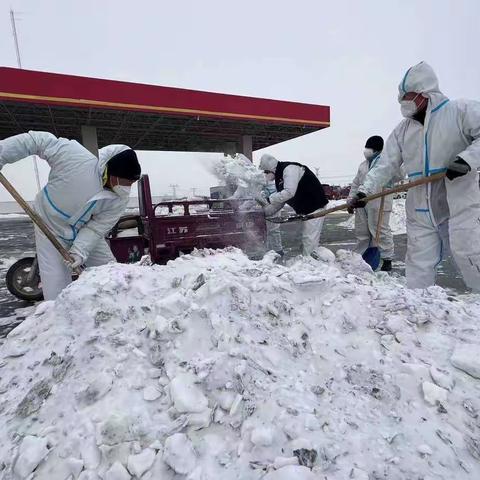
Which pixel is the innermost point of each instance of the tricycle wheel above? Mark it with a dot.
(19, 283)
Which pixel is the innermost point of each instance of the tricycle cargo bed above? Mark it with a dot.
(169, 229)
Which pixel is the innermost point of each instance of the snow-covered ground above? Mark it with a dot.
(12, 215)
(218, 367)
(398, 221)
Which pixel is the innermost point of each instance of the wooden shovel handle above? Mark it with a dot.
(344, 206)
(384, 193)
(379, 221)
(37, 221)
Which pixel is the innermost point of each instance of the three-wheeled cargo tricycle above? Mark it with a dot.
(164, 231)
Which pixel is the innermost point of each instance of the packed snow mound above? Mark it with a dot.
(218, 367)
(398, 218)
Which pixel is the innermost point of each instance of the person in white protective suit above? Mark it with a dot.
(298, 187)
(274, 234)
(437, 135)
(83, 199)
(366, 219)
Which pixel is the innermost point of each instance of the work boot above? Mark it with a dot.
(280, 257)
(386, 266)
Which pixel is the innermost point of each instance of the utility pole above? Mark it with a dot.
(15, 38)
(194, 192)
(19, 63)
(317, 170)
(174, 187)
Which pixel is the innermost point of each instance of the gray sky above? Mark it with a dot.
(350, 55)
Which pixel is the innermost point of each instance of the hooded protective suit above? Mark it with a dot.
(446, 213)
(274, 234)
(366, 219)
(74, 204)
(291, 178)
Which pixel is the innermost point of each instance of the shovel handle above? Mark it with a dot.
(379, 221)
(384, 193)
(37, 221)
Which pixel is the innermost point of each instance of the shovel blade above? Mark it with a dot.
(372, 257)
(293, 218)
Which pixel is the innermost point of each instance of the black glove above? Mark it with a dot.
(350, 210)
(457, 168)
(357, 201)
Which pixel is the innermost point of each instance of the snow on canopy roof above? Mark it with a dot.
(148, 117)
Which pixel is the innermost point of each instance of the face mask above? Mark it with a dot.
(368, 153)
(408, 108)
(270, 176)
(122, 191)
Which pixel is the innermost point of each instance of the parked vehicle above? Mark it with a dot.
(164, 231)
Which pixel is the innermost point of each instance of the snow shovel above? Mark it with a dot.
(344, 206)
(372, 254)
(38, 221)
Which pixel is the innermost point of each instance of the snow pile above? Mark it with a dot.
(398, 218)
(218, 367)
(180, 209)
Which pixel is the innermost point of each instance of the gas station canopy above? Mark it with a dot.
(148, 117)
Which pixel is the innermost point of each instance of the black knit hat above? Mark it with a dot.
(125, 165)
(375, 143)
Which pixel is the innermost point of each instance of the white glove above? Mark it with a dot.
(261, 200)
(270, 210)
(75, 262)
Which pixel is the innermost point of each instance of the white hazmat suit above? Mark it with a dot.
(311, 229)
(73, 204)
(445, 213)
(366, 219)
(274, 234)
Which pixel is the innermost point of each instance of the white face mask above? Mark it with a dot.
(270, 176)
(408, 108)
(368, 153)
(122, 191)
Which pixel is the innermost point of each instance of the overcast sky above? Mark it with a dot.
(350, 55)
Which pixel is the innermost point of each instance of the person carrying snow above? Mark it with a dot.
(366, 219)
(298, 187)
(436, 135)
(84, 198)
